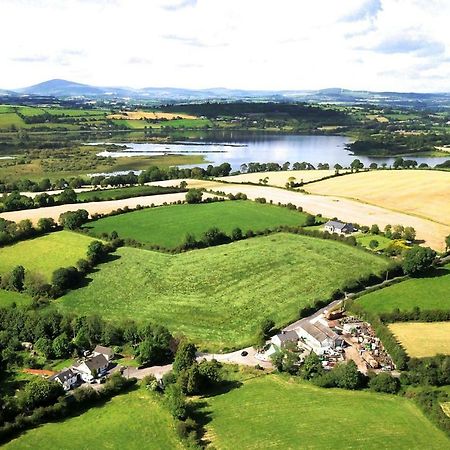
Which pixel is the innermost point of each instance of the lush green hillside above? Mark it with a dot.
(8, 297)
(131, 421)
(277, 413)
(168, 226)
(46, 253)
(431, 292)
(219, 295)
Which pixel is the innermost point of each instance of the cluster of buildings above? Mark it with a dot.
(88, 370)
(334, 339)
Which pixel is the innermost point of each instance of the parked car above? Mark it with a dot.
(244, 353)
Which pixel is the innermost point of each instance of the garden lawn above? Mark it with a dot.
(167, 226)
(219, 295)
(365, 239)
(45, 254)
(423, 339)
(427, 293)
(136, 420)
(279, 413)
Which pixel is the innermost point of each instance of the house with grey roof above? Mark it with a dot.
(107, 352)
(68, 378)
(92, 368)
(318, 336)
(281, 339)
(334, 226)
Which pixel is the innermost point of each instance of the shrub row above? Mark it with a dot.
(429, 402)
(416, 315)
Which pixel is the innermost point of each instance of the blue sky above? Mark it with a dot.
(400, 45)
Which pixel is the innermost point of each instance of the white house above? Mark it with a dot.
(92, 368)
(107, 352)
(68, 378)
(280, 340)
(334, 226)
(318, 336)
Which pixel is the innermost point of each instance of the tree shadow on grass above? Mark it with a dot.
(434, 272)
(202, 415)
(86, 280)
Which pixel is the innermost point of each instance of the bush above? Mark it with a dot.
(417, 260)
(194, 196)
(384, 382)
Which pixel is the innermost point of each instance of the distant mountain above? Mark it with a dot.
(61, 88)
(64, 89)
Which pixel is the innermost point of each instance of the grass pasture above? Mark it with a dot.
(120, 193)
(218, 296)
(423, 339)
(136, 420)
(430, 292)
(279, 413)
(424, 193)
(7, 298)
(45, 254)
(169, 225)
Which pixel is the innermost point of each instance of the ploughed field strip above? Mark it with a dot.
(43, 255)
(168, 226)
(432, 292)
(305, 416)
(218, 296)
(423, 339)
(135, 420)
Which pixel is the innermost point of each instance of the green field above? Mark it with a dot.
(8, 297)
(364, 239)
(218, 296)
(136, 420)
(45, 254)
(277, 413)
(426, 293)
(169, 225)
(119, 193)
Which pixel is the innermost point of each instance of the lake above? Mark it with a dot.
(237, 149)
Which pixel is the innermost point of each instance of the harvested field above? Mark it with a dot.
(218, 296)
(432, 233)
(280, 178)
(422, 193)
(152, 115)
(276, 412)
(423, 339)
(102, 207)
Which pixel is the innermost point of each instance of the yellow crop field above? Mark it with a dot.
(154, 115)
(423, 193)
(423, 339)
(280, 178)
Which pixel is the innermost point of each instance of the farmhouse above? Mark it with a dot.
(281, 339)
(68, 378)
(334, 226)
(107, 352)
(93, 367)
(318, 336)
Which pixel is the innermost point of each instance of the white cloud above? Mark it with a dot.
(254, 44)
